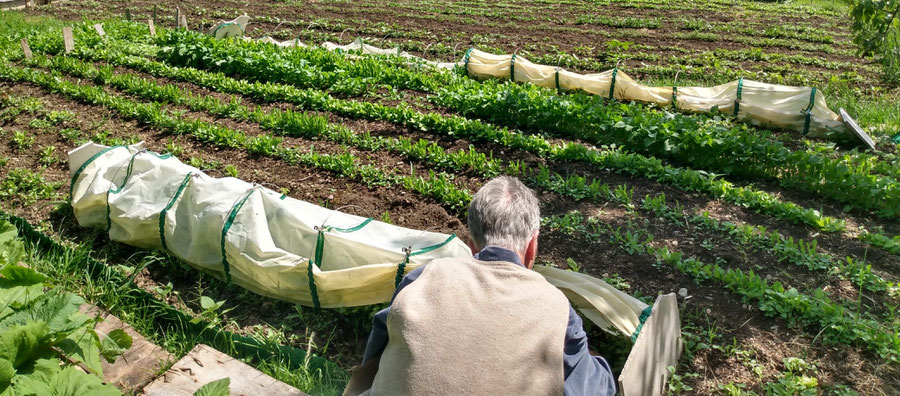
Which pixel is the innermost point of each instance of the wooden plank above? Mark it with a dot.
(11, 5)
(204, 365)
(26, 49)
(99, 29)
(68, 40)
(139, 365)
(859, 132)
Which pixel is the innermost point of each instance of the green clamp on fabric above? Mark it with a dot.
(316, 261)
(433, 247)
(401, 268)
(808, 111)
(312, 284)
(556, 78)
(349, 229)
(228, 223)
(612, 84)
(512, 68)
(675, 97)
(896, 138)
(645, 314)
(223, 25)
(466, 64)
(737, 101)
(162, 214)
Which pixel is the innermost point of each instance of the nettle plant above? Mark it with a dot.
(42, 334)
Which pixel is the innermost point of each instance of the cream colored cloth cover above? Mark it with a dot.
(470, 327)
(794, 108)
(766, 104)
(148, 200)
(657, 347)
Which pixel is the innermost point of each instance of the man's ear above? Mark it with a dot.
(531, 251)
(472, 247)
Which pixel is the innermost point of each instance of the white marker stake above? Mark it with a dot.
(99, 28)
(68, 40)
(26, 49)
(183, 21)
(152, 27)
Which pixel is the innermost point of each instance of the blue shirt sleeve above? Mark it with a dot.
(378, 338)
(584, 374)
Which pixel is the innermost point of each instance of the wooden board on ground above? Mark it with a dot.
(26, 49)
(139, 365)
(68, 39)
(861, 134)
(204, 365)
(10, 5)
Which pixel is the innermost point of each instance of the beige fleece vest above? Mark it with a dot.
(475, 328)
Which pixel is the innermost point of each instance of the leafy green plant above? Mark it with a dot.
(210, 312)
(174, 148)
(876, 30)
(617, 281)
(202, 164)
(794, 381)
(24, 187)
(220, 387)
(40, 123)
(676, 383)
(573, 265)
(48, 156)
(59, 117)
(231, 170)
(41, 332)
(70, 134)
(22, 141)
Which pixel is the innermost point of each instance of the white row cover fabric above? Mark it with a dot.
(278, 246)
(232, 28)
(794, 108)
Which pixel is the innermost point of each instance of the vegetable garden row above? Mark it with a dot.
(789, 243)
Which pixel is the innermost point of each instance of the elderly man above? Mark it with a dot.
(483, 326)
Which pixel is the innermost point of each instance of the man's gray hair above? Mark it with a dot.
(504, 213)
